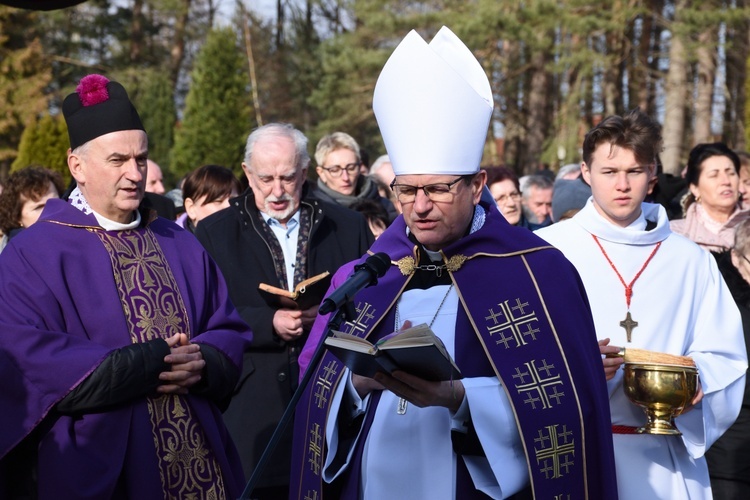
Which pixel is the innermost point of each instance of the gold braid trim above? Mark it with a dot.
(407, 265)
(455, 263)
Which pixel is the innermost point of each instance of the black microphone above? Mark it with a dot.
(365, 274)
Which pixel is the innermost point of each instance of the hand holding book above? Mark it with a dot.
(420, 392)
(306, 294)
(416, 351)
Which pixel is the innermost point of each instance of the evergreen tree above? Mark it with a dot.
(24, 73)
(151, 92)
(44, 142)
(217, 117)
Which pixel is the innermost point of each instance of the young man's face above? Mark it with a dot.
(618, 183)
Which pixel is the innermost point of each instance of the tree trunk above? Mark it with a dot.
(177, 53)
(211, 8)
(674, 108)
(279, 23)
(738, 51)
(136, 32)
(640, 82)
(655, 73)
(513, 128)
(539, 119)
(251, 66)
(613, 74)
(706, 73)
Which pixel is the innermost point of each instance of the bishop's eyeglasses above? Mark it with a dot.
(440, 191)
(336, 170)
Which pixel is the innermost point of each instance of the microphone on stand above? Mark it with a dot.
(365, 275)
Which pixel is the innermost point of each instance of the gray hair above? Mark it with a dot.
(567, 169)
(536, 181)
(82, 150)
(302, 157)
(382, 160)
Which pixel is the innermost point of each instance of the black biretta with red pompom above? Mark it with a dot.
(98, 107)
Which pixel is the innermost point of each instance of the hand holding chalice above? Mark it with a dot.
(662, 384)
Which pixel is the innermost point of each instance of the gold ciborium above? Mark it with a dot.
(662, 391)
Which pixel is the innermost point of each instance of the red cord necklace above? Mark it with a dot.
(628, 324)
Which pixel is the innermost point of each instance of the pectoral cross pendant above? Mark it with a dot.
(401, 408)
(628, 324)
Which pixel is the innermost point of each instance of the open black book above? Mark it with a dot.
(307, 293)
(416, 350)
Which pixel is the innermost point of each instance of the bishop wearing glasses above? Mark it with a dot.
(529, 415)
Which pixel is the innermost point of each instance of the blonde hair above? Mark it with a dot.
(332, 142)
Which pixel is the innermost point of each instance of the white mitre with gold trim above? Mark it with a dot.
(433, 104)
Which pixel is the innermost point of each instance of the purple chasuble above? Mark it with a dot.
(63, 310)
(524, 317)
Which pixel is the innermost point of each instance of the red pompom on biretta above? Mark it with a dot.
(92, 89)
(97, 107)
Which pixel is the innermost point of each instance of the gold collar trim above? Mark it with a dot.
(407, 265)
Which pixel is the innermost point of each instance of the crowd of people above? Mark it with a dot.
(140, 360)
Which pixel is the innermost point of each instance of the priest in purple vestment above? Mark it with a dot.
(119, 345)
(529, 416)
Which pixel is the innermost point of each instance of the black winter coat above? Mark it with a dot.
(729, 457)
(269, 377)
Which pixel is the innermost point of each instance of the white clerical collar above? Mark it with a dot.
(434, 256)
(111, 225)
(78, 201)
(634, 234)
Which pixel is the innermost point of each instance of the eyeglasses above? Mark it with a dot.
(440, 191)
(514, 196)
(336, 170)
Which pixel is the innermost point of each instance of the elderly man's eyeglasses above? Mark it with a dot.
(440, 191)
(514, 196)
(336, 170)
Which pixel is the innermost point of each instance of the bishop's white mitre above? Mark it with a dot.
(433, 104)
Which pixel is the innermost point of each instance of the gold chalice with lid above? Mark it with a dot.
(662, 390)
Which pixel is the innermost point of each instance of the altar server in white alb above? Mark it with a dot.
(652, 289)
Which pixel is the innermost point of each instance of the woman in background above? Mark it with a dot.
(503, 185)
(22, 200)
(712, 206)
(206, 190)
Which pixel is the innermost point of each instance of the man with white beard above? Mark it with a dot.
(278, 234)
